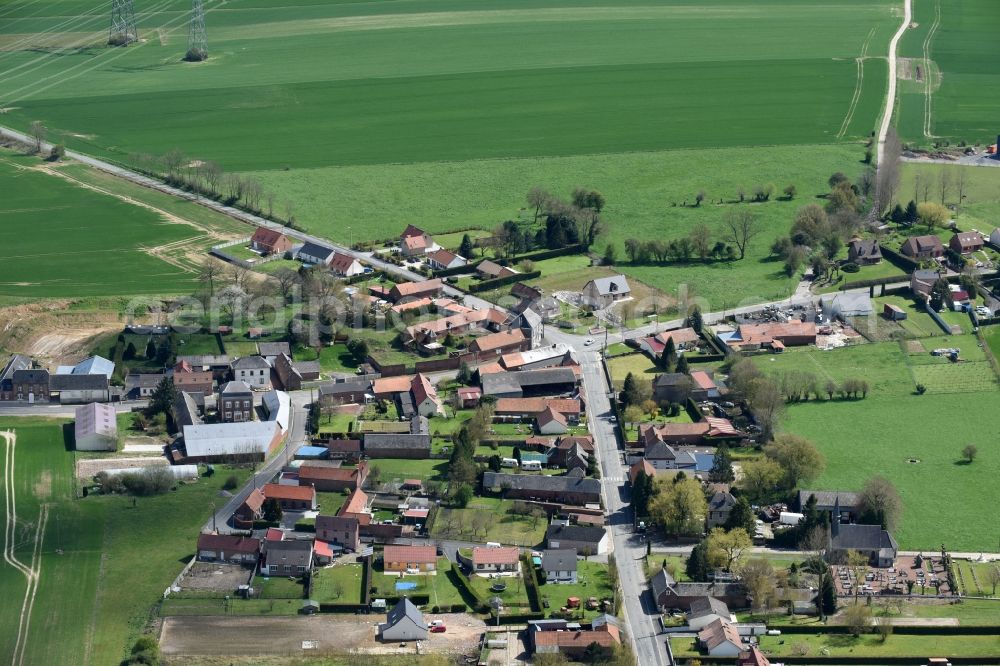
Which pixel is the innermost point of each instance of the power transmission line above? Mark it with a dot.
(123, 30)
(197, 37)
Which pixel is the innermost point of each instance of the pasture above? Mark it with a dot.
(955, 98)
(893, 425)
(981, 194)
(59, 239)
(104, 562)
(453, 111)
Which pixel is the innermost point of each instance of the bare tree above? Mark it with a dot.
(211, 269)
(212, 173)
(960, 185)
(269, 198)
(287, 279)
(925, 188)
(887, 178)
(538, 198)
(38, 133)
(944, 184)
(993, 576)
(238, 274)
(741, 227)
(917, 180)
(701, 239)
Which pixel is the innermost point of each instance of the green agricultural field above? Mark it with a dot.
(104, 563)
(59, 239)
(426, 107)
(955, 97)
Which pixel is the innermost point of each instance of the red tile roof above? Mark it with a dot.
(417, 288)
(274, 534)
(356, 503)
(342, 262)
(322, 549)
(255, 500)
(493, 555)
(577, 639)
(399, 384)
(326, 473)
(702, 380)
(410, 554)
(296, 493)
(537, 405)
(411, 230)
(549, 415)
(495, 341)
(266, 236)
(230, 543)
(422, 389)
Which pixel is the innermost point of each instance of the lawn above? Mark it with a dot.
(194, 344)
(425, 120)
(104, 562)
(429, 469)
(439, 587)
(90, 244)
(963, 96)
(515, 597)
(332, 359)
(278, 587)
(338, 584)
(592, 581)
(982, 191)
(637, 363)
(868, 645)
(504, 527)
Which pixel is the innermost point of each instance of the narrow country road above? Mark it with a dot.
(890, 98)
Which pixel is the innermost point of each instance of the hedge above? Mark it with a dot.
(693, 411)
(465, 589)
(458, 270)
(873, 282)
(530, 583)
(305, 526)
(520, 618)
(487, 285)
(579, 248)
(912, 630)
(900, 260)
(416, 599)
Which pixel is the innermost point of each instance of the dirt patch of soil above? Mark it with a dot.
(43, 487)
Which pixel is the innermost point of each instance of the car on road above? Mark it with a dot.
(588, 342)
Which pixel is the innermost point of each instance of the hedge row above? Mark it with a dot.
(465, 589)
(487, 285)
(873, 282)
(520, 618)
(530, 583)
(899, 260)
(458, 270)
(935, 631)
(551, 254)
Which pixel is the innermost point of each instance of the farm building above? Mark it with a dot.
(845, 504)
(330, 477)
(187, 411)
(893, 312)
(271, 350)
(530, 408)
(249, 440)
(684, 338)
(139, 386)
(670, 594)
(96, 428)
(774, 336)
(557, 636)
(566, 489)
(278, 408)
(94, 365)
(14, 363)
(414, 290)
(467, 396)
(847, 304)
(553, 356)
(291, 498)
(495, 344)
(186, 378)
(70, 389)
(551, 422)
(351, 390)
(530, 383)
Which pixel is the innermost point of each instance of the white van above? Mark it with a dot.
(531, 465)
(508, 462)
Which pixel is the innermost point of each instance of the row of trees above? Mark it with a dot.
(573, 221)
(798, 385)
(209, 179)
(739, 228)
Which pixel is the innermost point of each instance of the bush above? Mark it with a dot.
(459, 608)
(154, 481)
(232, 481)
(145, 651)
(850, 267)
(436, 609)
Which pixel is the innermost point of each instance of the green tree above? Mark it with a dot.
(761, 479)
(879, 503)
(631, 393)
(798, 458)
(129, 352)
(145, 651)
(726, 549)
(742, 517)
(722, 465)
(697, 567)
(642, 493)
(272, 510)
(669, 355)
(932, 214)
(695, 319)
(969, 453)
(463, 496)
(609, 254)
(163, 397)
(912, 215)
(467, 249)
(826, 600)
(150, 352)
(679, 506)
(682, 365)
(495, 463)
(790, 192)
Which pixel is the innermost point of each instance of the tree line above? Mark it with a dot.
(566, 222)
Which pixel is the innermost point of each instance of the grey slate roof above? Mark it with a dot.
(273, 348)
(663, 451)
(35, 376)
(291, 551)
(78, 382)
(14, 363)
(561, 559)
(707, 606)
(826, 499)
(582, 533)
(862, 537)
(145, 380)
(251, 363)
(721, 501)
(200, 360)
(186, 410)
(513, 382)
(404, 609)
(542, 482)
(351, 385)
(388, 440)
(238, 387)
(616, 284)
(311, 249)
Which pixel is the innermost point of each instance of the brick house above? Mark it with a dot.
(966, 242)
(251, 510)
(270, 241)
(340, 530)
(291, 498)
(30, 385)
(329, 478)
(189, 380)
(409, 559)
(493, 560)
(235, 403)
(922, 247)
(232, 548)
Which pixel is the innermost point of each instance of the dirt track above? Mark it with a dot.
(284, 635)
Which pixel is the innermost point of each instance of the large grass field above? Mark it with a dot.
(882, 433)
(956, 98)
(981, 195)
(59, 239)
(104, 562)
(452, 110)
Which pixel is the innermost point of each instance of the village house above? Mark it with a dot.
(603, 292)
(270, 241)
(708, 429)
(415, 242)
(422, 398)
(416, 290)
(187, 410)
(353, 390)
(235, 402)
(331, 477)
(773, 336)
(219, 365)
(553, 356)
(186, 378)
(495, 344)
(288, 557)
(139, 386)
(684, 339)
(676, 387)
(706, 610)
(443, 260)
(720, 506)
(530, 408)
(339, 530)
(96, 428)
(409, 559)
(250, 511)
(663, 456)
(558, 636)
(254, 370)
(490, 270)
(864, 251)
(669, 594)
(559, 565)
(966, 242)
(720, 639)
(344, 265)
(585, 540)
(414, 444)
(565, 489)
(551, 422)
(347, 450)
(30, 385)
(423, 333)
(315, 254)
(14, 363)
(356, 507)
(291, 498)
(493, 560)
(231, 548)
(404, 622)
(921, 248)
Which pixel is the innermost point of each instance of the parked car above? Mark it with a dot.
(588, 342)
(439, 629)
